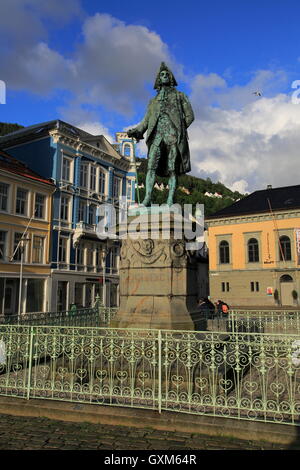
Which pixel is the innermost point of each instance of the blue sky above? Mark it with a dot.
(93, 63)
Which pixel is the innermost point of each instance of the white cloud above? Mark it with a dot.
(109, 68)
(96, 128)
(250, 147)
(86, 120)
(115, 60)
(240, 186)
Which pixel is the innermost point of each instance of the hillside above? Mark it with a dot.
(190, 190)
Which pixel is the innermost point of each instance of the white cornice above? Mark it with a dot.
(77, 144)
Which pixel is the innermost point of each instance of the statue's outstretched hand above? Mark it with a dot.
(135, 133)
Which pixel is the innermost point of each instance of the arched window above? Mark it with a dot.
(127, 150)
(253, 252)
(224, 252)
(285, 252)
(286, 278)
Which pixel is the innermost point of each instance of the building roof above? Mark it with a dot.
(275, 199)
(12, 165)
(43, 128)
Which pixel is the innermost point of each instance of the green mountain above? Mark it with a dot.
(6, 127)
(190, 190)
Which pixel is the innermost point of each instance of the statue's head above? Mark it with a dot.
(164, 77)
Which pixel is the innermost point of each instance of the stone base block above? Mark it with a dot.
(158, 312)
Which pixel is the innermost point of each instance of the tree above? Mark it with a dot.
(7, 128)
(197, 187)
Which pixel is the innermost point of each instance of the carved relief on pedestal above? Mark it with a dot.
(178, 255)
(148, 251)
(177, 249)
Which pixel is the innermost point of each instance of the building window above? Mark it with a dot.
(35, 295)
(101, 182)
(64, 208)
(17, 252)
(129, 196)
(92, 214)
(225, 286)
(253, 252)
(38, 249)
(285, 252)
(66, 169)
(98, 261)
(79, 294)
(2, 244)
(224, 252)
(116, 187)
(90, 258)
(21, 201)
(62, 295)
(127, 150)
(81, 211)
(62, 250)
(254, 286)
(114, 258)
(39, 206)
(4, 196)
(80, 257)
(93, 178)
(83, 175)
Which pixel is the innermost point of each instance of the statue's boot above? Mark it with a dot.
(172, 187)
(150, 179)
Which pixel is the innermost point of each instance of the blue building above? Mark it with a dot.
(87, 170)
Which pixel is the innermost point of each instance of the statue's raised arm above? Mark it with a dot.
(168, 116)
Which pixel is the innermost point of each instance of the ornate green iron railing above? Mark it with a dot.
(94, 316)
(241, 375)
(255, 321)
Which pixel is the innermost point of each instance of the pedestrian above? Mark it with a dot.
(206, 307)
(222, 308)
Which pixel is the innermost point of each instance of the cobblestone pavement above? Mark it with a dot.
(26, 433)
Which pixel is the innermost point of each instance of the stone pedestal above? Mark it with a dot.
(158, 283)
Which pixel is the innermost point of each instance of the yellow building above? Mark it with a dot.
(254, 249)
(25, 214)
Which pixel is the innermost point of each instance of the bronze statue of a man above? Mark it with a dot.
(168, 116)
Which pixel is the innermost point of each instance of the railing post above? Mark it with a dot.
(233, 321)
(30, 361)
(159, 371)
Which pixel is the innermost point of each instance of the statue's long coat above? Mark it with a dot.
(181, 114)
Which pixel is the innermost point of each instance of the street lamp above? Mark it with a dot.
(104, 254)
(20, 246)
(22, 249)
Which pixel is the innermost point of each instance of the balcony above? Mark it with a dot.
(82, 229)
